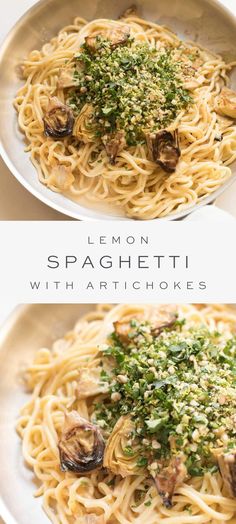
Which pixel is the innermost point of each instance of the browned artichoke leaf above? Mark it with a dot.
(169, 478)
(227, 465)
(114, 143)
(81, 446)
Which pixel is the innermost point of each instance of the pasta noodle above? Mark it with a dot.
(100, 497)
(134, 183)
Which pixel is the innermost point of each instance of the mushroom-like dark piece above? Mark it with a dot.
(81, 445)
(164, 149)
(227, 465)
(59, 119)
(169, 479)
(114, 143)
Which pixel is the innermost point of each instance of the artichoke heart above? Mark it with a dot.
(68, 75)
(90, 382)
(116, 35)
(58, 120)
(226, 103)
(81, 446)
(116, 458)
(164, 149)
(83, 128)
(159, 319)
(67, 78)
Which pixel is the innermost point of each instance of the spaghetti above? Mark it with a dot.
(64, 383)
(130, 87)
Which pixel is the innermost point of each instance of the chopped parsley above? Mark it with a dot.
(179, 388)
(134, 87)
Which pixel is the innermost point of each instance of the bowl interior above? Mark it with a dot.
(204, 21)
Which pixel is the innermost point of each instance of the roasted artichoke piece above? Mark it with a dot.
(227, 465)
(114, 143)
(224, 122)
(67, 74)
(169, 479)
(164, 149)
(116, 458)
(226, 103)
(121, 462)
(158, 319)
(123, 329)
(58, 120)
(67, 77)
(162, 319)
(116, 35)
(89, 383)
(83, 127)
(81, 446)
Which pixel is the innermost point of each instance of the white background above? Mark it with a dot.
(21, 265)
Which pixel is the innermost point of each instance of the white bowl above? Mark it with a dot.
(205, 21)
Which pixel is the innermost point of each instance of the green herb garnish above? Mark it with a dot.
(179, 388)
(134, 87)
